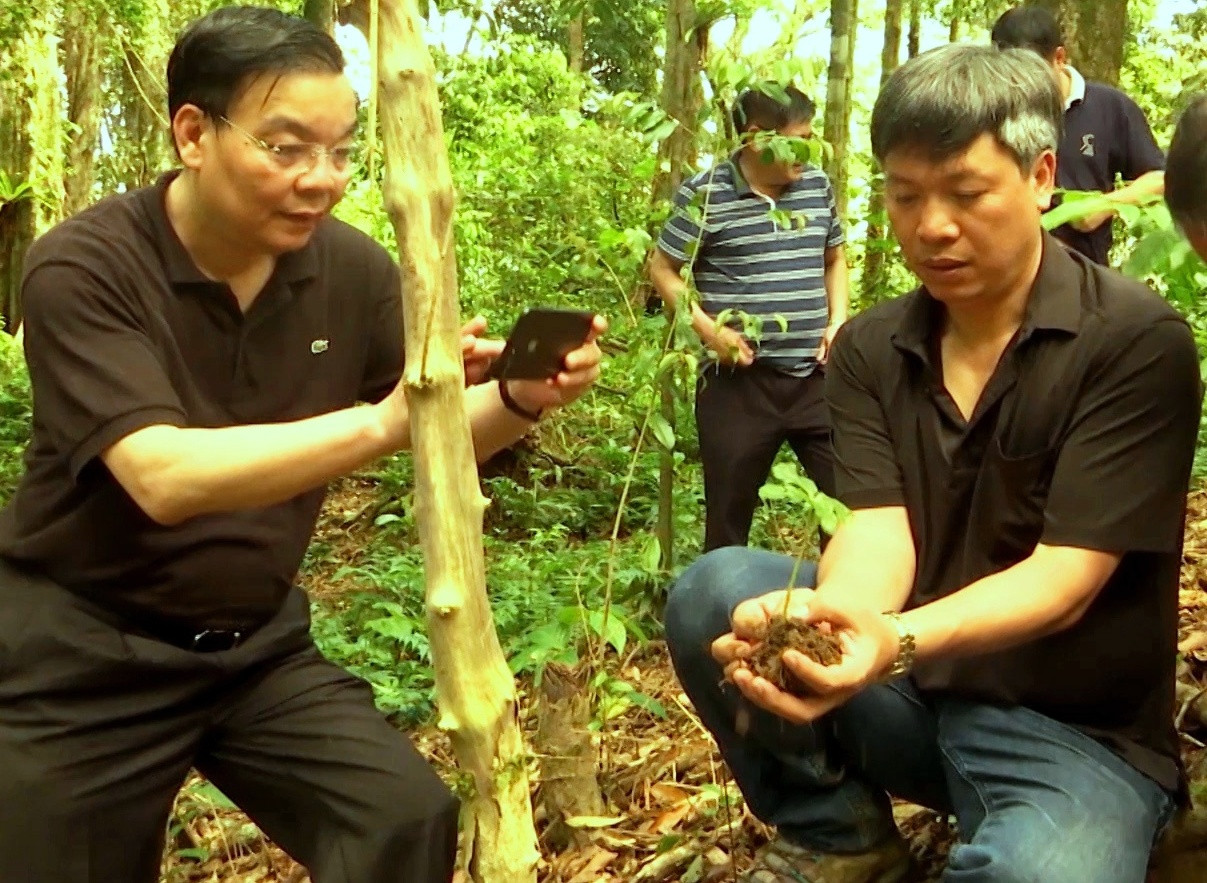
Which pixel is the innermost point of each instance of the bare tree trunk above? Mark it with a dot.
(144, 151)
(569, 765)
(474, 687)
(1094, 33)
(31, 152)
(879, 240)
(953, 26)
(321, 13)
(915, 29)
(681, 99)
(844, 20)
(575, 42)
(682, 96)
(82, 69)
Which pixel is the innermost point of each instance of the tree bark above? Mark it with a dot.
(31, 152)
(82, 70)
(575, 42)
(681, 96)
(953, 25)
(879, 240)
(844, 19)
(915, 29)
(321, 13)
(1094, 34)
(681, 99)
(144, 151)
(474, 687)
(569, 765)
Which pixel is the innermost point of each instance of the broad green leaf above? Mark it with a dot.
(662, 431)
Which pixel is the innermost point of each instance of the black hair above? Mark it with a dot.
(943, 100)
(220, 53)
(1186, 165)
(760, 106)
(1028, 27)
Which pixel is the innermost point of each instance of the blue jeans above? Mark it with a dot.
(1036, 800)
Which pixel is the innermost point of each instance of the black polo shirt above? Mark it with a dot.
(1083, 437)
(122, 331)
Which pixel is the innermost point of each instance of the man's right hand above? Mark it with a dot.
(730, 346)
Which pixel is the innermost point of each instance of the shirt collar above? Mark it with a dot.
(742, 187)
(1053, 305)
(294, 266)
(1076, 87)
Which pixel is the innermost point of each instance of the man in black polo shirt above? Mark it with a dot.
(1186, 195)
(196, 350)
(1015, 440)
(1105, 133)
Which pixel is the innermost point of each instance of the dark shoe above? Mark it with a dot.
(783, 862)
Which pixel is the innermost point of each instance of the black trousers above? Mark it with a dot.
(743, 417)
(99, 726)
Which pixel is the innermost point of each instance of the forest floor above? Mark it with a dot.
(666, 815)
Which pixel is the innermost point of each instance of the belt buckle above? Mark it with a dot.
(215, 640)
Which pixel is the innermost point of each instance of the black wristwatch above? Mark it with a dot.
(515, 407)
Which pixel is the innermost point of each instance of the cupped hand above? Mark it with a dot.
(869, 642)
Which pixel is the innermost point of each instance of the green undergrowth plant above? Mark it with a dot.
(15, 414)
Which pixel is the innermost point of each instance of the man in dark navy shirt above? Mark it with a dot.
(1105, 133)
(1186, 195)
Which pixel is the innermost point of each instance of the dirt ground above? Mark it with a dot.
(666, 813)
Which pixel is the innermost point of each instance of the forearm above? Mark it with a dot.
(838, 285)
(178, 473)
(870, 561)
(492, 425)
(1147, 186)
(1045, 593)
(670, 286)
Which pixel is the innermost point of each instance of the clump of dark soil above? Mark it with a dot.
(767, 661)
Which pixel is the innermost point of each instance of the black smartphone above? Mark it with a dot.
(538, 343)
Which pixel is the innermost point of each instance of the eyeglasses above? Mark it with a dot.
(302, 158)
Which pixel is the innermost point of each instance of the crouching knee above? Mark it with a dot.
(1081, 854)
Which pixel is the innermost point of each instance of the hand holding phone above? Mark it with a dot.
(539, 343)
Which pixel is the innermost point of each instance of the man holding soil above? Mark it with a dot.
(196, 350)
(1015, 440)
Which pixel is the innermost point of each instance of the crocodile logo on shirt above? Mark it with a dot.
(1087, 144)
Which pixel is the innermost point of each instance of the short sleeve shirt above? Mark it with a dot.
(762, 257)
(1105, 134)
(1084, 437)
(122, 331)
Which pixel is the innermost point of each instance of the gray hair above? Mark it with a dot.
(943, 100)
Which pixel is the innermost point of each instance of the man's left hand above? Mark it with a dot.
(827, 341)
(870, 644)
(580, 369)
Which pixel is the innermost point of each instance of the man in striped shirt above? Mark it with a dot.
(765, 247)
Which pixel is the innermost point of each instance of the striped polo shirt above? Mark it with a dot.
(766, 265)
